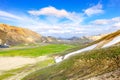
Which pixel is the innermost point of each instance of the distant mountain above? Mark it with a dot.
(15, 35)
(73, 38)
(77, 40)
(101, 41)
(49, 39)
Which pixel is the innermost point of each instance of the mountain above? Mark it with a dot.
(75, 40)
(106, 41)
(96, 37)
(15, 35)
(50, 39)
(83, 38)
(100, 60)
(3, 35)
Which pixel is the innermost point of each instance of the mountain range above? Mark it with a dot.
(13, 35)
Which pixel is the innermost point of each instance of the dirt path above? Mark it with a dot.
(24, 72)
(10, 63)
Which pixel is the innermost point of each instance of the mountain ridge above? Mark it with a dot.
(16, 35)
(106, 41)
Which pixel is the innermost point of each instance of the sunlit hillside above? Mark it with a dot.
(16, 35)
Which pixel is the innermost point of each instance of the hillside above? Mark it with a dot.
(83, 66)
(106, 41)
(100, 60)
(17, 35)
(50, 39)
(96, 37)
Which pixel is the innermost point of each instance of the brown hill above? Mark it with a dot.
(108, 40)
(96, 37)
(17, 35)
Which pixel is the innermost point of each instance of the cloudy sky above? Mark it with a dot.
(62, 18)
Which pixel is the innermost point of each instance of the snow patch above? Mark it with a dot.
(114, 41)
(58, 59)
(81, 50)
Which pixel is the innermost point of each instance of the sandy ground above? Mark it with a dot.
(31, 68)
(8, 63)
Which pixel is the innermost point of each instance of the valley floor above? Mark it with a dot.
(18, 62)
(8, 63)
(15, 68)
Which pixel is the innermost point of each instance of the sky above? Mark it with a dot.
(62, 18)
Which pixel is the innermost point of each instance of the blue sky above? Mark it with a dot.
(62, 18)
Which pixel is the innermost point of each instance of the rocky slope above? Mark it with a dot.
(17, 35)
(108, 40)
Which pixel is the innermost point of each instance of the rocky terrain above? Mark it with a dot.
(17, 35)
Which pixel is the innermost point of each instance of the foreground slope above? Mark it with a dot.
(17, 35)
(82, 66)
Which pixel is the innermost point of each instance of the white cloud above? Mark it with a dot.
(106, 25)
(59, 31)
(101, 21)
(72, 26)
(9, 15)
(49, 11)
(106, 21)
(117, 25)
(60, 13)
(97, 9)
(116, 19)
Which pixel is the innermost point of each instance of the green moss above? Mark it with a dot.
(5, 76)
(38, 51)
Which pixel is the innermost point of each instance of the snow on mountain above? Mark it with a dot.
(81, 50)
(106, 41)
(114, 41)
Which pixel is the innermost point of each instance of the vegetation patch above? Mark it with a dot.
(81, 66)
(37, 51)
